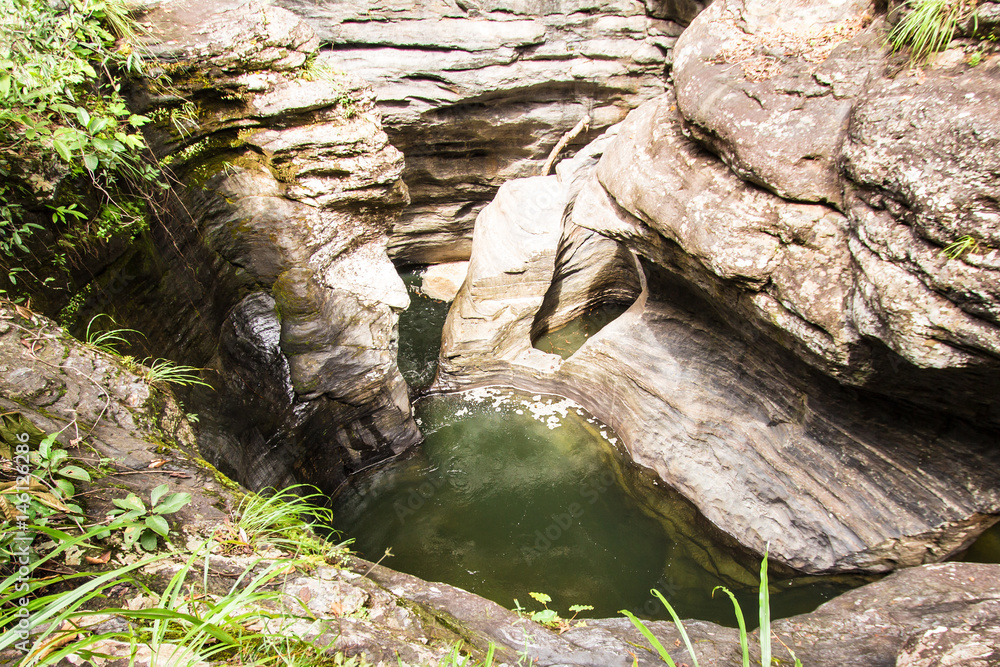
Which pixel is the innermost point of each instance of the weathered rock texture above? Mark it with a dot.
(791, 204)
(270, 264)
(927, 615)
(905, 164)
(769, 450)
(476, 93)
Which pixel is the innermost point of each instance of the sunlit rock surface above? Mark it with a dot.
(769, 449)
(802, 99)
(478, 92)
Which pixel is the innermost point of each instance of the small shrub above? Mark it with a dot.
(143, 525)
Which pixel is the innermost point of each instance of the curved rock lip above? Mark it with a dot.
(772, 452)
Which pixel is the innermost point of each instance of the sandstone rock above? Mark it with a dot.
(781, 264)
(277, 239)
(754, 82)
(769, 450)
(867, 626)
(442, 281)
(970, 645)
(921, 159)
(805, 105)
(929, 615)
(477, 93)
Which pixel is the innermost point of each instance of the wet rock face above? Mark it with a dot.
(476, 93)
(802, 100)
(270, 266)
(769, 450)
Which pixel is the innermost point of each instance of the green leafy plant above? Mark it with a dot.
(183, 628)
(764, 610)
(456, 659)
(106, 340)
(165, 370)
(44, 475)
(550, 617)
(961, 246)
(929, 26)
(141, 524)
(62, 115)
(51, 604)
(52, 465)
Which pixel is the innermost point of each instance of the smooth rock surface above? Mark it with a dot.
(769, 450)
(476, 93)
(442, 281)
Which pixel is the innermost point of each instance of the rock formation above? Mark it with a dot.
(478, 92)
(925, 615)
(269, 265)
(770, 450)
(802, 100)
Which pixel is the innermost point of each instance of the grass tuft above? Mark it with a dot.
(765, 626)
(929, 26)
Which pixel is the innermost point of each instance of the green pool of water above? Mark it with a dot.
(420, 328)
(986, 549)
(513, 493)
(570, 338)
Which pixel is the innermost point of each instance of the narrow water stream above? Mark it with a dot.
(420, 328)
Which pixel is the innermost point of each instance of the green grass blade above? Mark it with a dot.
(744, 642)
(680, 626)
(173, 615)
(765, 615)
(650, 637)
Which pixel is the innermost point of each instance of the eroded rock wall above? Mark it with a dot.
(803, 100)
(269, 265)
(769, 449)
(477, 93)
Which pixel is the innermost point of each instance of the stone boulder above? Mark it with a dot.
(478, 92)
(898, 292)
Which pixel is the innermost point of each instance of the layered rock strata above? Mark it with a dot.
(476, 93)
(269, 265)
(769, 450)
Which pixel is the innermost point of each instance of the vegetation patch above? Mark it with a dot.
(63, 120)
(928, 26)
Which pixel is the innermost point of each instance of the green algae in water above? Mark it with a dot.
(512, 494)
(986, 549)
(571, 337)
(420, 328)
